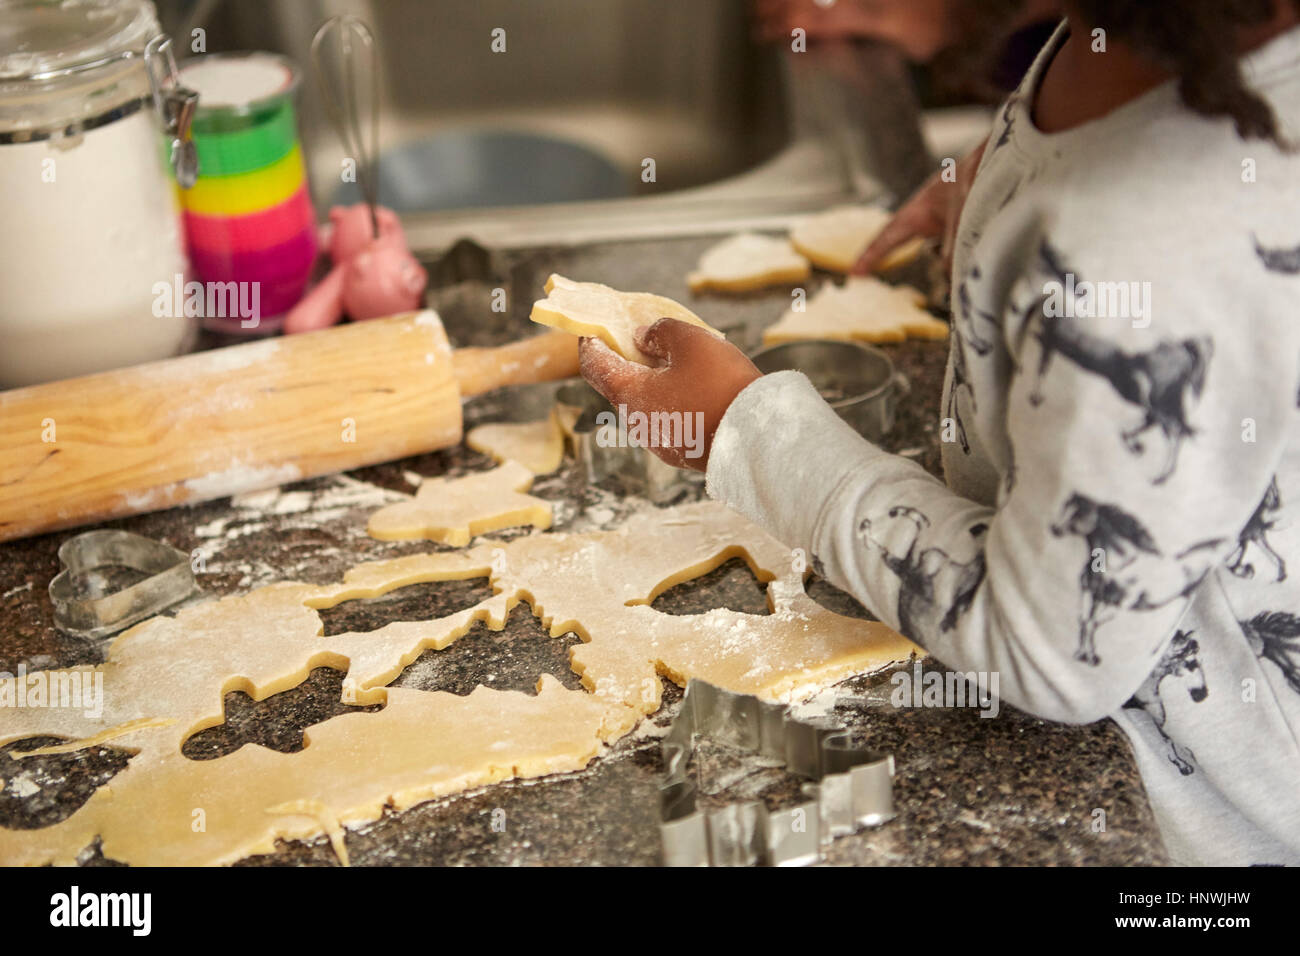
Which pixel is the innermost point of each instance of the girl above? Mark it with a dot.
(1118, 534)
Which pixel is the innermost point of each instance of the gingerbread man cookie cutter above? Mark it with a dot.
(851, 787)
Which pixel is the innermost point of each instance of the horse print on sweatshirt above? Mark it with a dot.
(1115, 541)
(1008, 123)
(1180, 661)
(1284, 261)
(1275, 636)
(977, 328)
(1160, 381)
(960, 380)
(933, 589)
(1256, 533)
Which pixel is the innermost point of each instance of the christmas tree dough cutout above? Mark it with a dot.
(835, 239)
(165, 678)
(747, 262)
(863, 309)
(453, 510)
(591, 309)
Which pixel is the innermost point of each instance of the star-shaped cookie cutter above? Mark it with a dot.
(852, 786)
(81, 608)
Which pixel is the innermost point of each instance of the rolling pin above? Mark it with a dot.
(246, 417)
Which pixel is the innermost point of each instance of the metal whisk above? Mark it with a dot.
(345, 61)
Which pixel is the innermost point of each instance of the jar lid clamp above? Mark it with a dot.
(176, 105)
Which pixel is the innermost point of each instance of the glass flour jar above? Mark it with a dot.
(86, 196)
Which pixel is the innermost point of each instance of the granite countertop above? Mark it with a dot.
(1007, 789)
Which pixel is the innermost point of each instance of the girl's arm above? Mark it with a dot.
(1070, 587)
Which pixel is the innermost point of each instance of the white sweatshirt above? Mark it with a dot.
(1119, 534)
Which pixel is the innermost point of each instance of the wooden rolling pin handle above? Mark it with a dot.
(542, 358)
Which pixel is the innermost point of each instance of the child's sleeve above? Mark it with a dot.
(1070, 587)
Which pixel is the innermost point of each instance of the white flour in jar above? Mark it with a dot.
(85, 250)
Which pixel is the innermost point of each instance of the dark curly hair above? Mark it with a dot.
(1196, 40)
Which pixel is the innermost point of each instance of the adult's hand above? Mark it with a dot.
(920, 28)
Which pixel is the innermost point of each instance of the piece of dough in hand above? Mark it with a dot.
(589, 308)
(836, 238)
(746, 262)
(453, 510)
(538, 446)
(863, 309)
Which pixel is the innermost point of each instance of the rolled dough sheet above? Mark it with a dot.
(588, 308)
(538, 446)
(863, 309)
(748, 261)
(453, 510)
(164, 680)
(834, 239)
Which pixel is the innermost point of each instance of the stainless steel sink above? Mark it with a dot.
(547, 142)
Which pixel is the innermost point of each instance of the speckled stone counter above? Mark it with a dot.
(1007, 789)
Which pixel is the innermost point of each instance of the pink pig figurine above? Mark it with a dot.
(371, 277)
(382, 279)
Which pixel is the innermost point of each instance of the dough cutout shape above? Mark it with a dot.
(746, 262)
(538, 446)
(453, 510)
(863, 309)
(834, 239)
(165, 678)
(591, 309)
(567, 417)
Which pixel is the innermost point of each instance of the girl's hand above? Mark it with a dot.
(932, 212)
(697, 377)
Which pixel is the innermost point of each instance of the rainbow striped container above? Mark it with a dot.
(249, 218)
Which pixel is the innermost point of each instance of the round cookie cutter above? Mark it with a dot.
(857, 380)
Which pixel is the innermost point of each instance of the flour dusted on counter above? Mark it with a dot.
(273, 511)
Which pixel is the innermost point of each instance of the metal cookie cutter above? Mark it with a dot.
(81, 605)
(852, 788)
(858, 380)
(603, 449)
